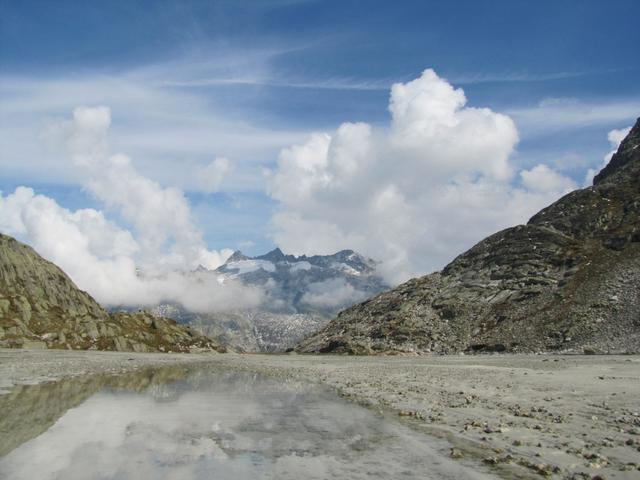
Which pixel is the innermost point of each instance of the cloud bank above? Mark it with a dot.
(332, 293)
(414, 194)
(151, 263)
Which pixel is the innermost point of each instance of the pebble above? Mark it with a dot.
(455, 453)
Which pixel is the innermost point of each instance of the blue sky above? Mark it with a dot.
(188, 81)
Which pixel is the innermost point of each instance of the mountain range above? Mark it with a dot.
(301, 294)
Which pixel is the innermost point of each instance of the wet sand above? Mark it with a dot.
(525, 416)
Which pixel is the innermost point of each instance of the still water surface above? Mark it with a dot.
(180, 424)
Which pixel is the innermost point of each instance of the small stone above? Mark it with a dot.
(455, 453)
(543, 469)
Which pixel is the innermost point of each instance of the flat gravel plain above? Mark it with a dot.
(525, 416)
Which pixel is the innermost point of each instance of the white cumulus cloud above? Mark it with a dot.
(210, 177)
(413, 194)
(332, 293)
(542, 178)
(105, 259)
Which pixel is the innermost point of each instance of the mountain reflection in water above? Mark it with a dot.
(174, 423)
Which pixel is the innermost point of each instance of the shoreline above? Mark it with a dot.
(526, 416)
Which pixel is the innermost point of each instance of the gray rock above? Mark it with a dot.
(92, 329)
(121, 344)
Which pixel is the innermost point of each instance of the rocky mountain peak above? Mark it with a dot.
(236, 256)
(274, 255)
(628, 154)
(347, 255)
(354, 259)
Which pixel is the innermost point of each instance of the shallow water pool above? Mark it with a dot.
(176, 424)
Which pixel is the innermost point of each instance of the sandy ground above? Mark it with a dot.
(528, 416)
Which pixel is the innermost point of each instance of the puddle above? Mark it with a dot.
(179, 424)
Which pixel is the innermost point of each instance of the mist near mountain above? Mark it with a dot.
(299, 295)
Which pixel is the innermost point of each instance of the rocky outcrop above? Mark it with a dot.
(568, 280)
(40, 307)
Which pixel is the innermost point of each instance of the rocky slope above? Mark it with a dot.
(40, 307)
(568, 280)
(301, 295)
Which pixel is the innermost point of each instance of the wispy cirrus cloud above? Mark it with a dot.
(524, 77)
(554, 114)
(316, 84)
(171, 133)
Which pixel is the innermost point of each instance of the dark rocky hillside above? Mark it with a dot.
(568, 280)
(40, 307)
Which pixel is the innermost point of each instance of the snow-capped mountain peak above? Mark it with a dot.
(301, 294)
(236, 256)
(320, 284)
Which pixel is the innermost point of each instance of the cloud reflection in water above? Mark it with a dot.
(227, 426)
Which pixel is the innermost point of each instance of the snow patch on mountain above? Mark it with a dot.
(301, 265)
(245, 266)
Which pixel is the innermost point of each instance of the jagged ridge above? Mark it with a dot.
(289, 283)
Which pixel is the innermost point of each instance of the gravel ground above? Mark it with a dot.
(30, 367)
(568, 417)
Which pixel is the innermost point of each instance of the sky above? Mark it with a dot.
(166, 134)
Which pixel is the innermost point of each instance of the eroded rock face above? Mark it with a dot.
(40, 307)
(568, 280)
